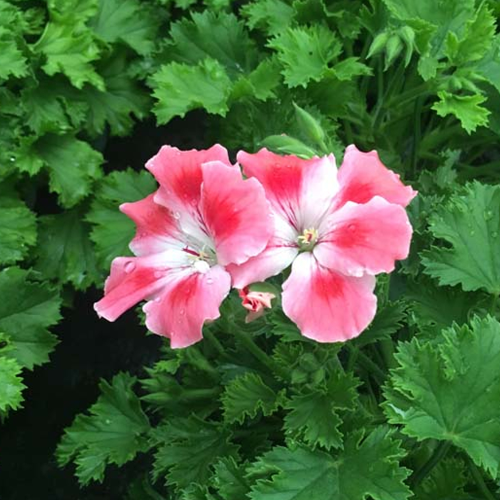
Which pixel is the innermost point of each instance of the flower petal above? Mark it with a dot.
(157, 229)
(133, 279)
(268, 263)
(325, 305)
(179, 174)
(180, 177)
(363, 176)
(369, 238)
(301, 191)
(235, 212)
(186, 303)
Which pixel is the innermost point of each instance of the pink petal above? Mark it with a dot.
(186, 303)
(325, 305)
(157, 229)
(369, 238)
(235, 212)
(268, 263)
(363, 176)
(133, 279)
(179, 174)
(301, 191)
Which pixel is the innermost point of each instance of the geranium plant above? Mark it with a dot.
(288, 318)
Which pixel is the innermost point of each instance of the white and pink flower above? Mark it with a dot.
(337, 229)
(203, 218)
(206, 229)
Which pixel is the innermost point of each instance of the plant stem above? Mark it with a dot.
(478, 477)
(371, 365)
(417, 132)
(439, 453)
(215, 342)
(493, 306)
(250, 345)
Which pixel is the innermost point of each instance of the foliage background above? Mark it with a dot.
(90, 90)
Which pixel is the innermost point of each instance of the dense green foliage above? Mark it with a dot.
(410, 409)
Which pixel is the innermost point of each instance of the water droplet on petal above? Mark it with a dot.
(129, 266)
(201, 266)
(159, 274)
(157, 299)
(182, 312)
(351, 227)
(177, 215)
(210, 281)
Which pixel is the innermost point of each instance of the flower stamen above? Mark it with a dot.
(308, 239)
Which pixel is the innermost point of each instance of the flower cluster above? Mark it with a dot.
(207, 229)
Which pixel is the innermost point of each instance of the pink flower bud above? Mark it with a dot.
(255, 303)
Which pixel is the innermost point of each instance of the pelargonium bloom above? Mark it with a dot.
(203, 217)
(338, 229)
(255, 302)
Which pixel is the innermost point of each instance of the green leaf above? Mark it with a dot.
(245, 395)
(17, 230)
(349, 68)
(260, 83)
(44, 106)
(229, 479)
(438, 306)
(27, 309)
(470, 223)
(122, 98)
(112, 231)
(73, 165)
(478, 37)
(489, 66)
(113, 433)
(448, 389)
(180, 88)
(313, 413)
(386, 323)
(218, 36)
(11, 385)
(12, 61)
(188, 449)
(445, 482)
(271, 16)
(366, 467)
(64, 249)
(69, 48)
(127, 21)
(467, 108)
(305, 53)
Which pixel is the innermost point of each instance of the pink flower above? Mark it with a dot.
(203, 217)
(337, 229)
(255, 302)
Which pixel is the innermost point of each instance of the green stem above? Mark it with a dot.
(439, 453)
(417, 132)
(493, 306)
(250, 345)
(372, 366)
(215, 342)
(348, 133)
(478, 478)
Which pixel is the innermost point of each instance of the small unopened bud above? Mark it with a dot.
(255, 302)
